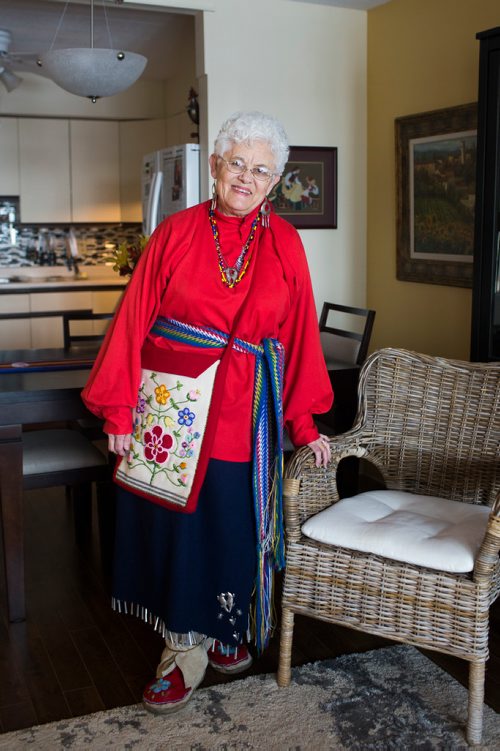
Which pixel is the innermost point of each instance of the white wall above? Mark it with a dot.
(306, 64)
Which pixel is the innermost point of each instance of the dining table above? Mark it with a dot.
(37, 387)
(43, 386)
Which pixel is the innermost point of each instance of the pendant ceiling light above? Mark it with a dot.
(91, 71)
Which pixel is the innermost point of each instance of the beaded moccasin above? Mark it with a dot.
(228, 659)
(167, 694)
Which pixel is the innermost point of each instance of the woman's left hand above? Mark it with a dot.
(321, 450)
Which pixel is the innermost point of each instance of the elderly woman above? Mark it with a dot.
(227, 266)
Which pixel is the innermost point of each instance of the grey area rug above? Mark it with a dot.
(392, 699)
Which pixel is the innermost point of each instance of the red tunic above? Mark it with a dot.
(178, 277)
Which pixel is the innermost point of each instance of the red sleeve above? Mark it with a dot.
(111, 391)
(307, 388)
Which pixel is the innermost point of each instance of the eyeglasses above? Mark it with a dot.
(238, 167)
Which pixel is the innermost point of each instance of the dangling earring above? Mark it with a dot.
(213, 205)
(265, 210)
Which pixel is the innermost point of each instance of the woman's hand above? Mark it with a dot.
(119, 444)
(321, 450)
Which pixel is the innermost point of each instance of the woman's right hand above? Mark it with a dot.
(119, 444)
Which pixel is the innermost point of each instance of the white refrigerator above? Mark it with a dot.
(170, 182)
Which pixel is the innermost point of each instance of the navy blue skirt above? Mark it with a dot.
(193, 572)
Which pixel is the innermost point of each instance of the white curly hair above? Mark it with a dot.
(254, 126)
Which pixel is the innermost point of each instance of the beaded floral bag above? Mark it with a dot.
(174, 424)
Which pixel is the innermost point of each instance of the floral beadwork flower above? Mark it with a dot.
(169, 422)
(162, 394)
(194, 395)
(161, 685)
(187, 449)
(141, 405)
(185, 417)
(156, 445)
(183, 479)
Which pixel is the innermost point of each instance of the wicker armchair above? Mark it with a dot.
(432, 428)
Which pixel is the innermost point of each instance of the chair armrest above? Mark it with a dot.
(487, 558)
(308, 489)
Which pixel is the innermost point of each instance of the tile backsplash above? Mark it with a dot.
(20, 243)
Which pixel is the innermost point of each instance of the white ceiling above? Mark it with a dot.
(154, 33)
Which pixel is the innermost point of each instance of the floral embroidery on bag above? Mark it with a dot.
(162, 394)
(163, 431)
(156, 443)
(185, 417)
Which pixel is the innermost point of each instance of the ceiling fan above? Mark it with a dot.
(11, 61)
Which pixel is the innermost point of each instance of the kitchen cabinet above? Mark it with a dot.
(95, 172)
(485, 343)
(69, 171)
(44, 170)
(9, 151)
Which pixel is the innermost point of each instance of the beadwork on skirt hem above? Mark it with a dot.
(191, 639)
(181, 641)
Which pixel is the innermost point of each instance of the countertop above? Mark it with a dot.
(58, 278)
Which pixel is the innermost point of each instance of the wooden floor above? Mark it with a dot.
(73, 655)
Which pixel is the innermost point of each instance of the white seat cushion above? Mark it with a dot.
(57, 450)
(419, 529)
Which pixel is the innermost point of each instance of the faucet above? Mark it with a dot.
(72, 256)
(42, 248)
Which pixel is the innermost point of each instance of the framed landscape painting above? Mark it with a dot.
(436, 169)
(307, 193)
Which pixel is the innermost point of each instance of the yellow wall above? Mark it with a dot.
(422, 55)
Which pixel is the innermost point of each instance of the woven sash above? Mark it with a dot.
(267, 464)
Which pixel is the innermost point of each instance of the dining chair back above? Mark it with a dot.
(91, 327)
(345, 332)
(417, 561)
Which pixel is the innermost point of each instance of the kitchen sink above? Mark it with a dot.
(15, 279)
(22, 279)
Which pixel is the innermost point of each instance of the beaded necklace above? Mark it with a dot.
(231, 275)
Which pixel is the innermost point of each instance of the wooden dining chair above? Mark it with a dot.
(345, 333)
(91, 426)
(86, 333)
(51, 457)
